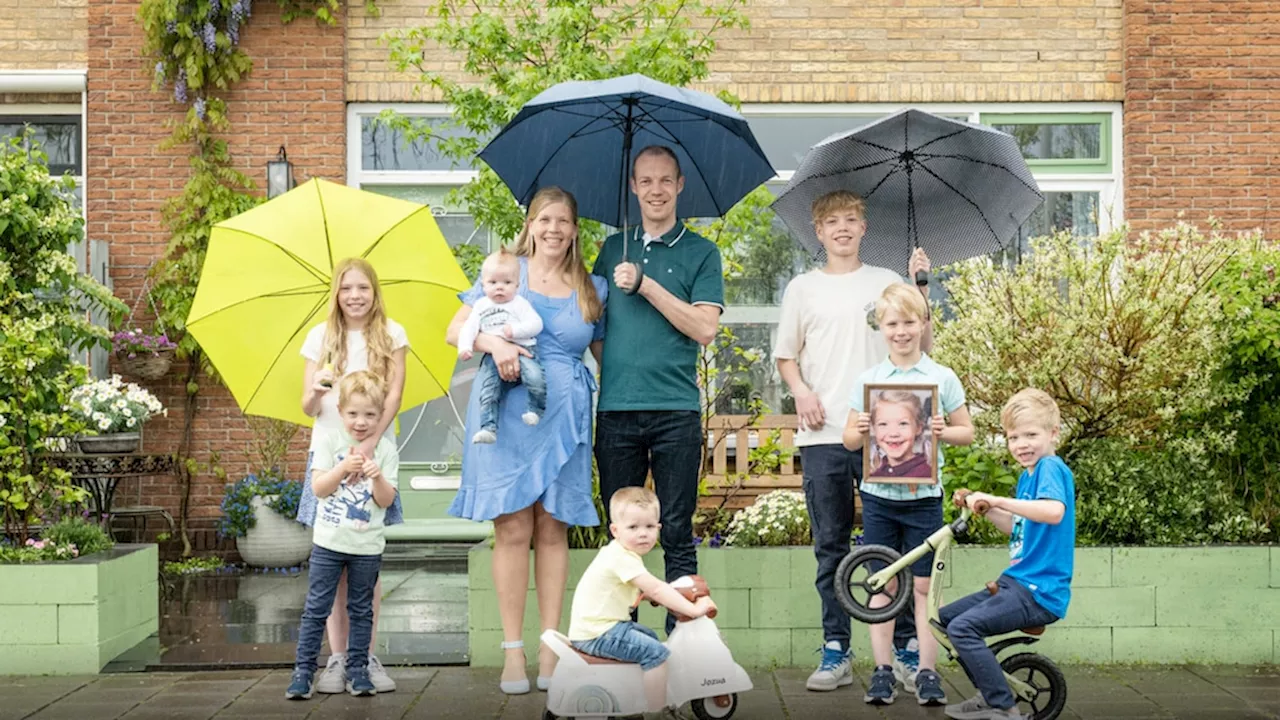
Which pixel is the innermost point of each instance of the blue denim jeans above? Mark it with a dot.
(326, 567)
(669, 442)
(830, 479)
(628, 642)
(971, 620)
(493, 389)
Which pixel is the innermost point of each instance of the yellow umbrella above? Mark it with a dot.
(266, 280)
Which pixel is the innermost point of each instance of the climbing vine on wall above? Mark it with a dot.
(198, 59)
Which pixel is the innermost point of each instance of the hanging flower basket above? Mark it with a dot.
(147, 367)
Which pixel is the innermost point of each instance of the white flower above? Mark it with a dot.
(131, 422)
(104, 423)
(2, 421)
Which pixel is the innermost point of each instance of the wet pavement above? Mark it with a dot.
(244, 618)
(453, 692)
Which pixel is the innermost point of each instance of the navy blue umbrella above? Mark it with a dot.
(584, 135)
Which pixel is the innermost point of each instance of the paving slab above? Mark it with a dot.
(1095, 693)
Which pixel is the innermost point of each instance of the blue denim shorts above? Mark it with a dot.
(629, 642)
(902, 525)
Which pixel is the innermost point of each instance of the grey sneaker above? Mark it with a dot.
(334, 678)
(378, 674)
(929, 688)
(906, 663)
(835, 670)
(883, 688)
(976, 708)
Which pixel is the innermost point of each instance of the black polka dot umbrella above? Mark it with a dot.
(956, 189)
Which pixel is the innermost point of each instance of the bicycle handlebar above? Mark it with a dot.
(961, 496)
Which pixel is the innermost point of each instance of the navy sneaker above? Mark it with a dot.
(929, 688)
(359, 683)
(884, 688)
(301, 685)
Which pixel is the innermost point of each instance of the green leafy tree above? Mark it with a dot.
(1122, 331)
(515, 49)
(44, 306)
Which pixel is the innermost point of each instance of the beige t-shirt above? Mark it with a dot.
(357, 359)
(349, 521)
(605, 594)
(824, 328)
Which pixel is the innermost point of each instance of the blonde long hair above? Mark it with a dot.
(377, 339)
(572, 264)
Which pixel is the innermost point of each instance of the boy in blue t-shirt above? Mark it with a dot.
(1036, 589)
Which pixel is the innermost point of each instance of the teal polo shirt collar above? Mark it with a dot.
(669, 238)
(925, 366)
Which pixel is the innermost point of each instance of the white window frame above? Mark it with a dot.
(357, 176)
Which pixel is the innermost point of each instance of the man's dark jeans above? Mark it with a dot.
(831, 474)
(972, 619)
(322, 584)
(629, 444)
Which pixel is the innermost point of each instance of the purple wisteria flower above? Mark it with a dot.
(200, 107)
(160, 69)
(171, 27)
(180, 86)
(215, 8)
(210, 37)
(233, 32)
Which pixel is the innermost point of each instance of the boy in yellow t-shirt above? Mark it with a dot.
(600, 619)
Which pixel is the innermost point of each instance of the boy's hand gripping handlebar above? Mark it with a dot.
(961, 499)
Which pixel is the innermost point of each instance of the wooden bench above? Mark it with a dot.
(726, 486)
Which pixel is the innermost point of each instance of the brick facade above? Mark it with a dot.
(1202, 109)
(856, 51)
(43, 34)
(293, 97)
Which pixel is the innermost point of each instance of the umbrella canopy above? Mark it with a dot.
(955, 189)
(266, 282)
(583, 136)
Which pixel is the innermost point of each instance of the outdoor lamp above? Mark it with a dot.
(279, 175)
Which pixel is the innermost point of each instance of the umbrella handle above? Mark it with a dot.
(922, 278)
(639, 279)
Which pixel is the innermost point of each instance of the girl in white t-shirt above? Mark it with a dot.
(356, 336)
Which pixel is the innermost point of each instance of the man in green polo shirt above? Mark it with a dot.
(648, 418)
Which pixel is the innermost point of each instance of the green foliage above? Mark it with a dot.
(1122, 331)
(237, 502)
(34, 551)
(778, 518)
(1250, 295)
(470, 258)
(326, 11)
(518, 48)
(1127, 496)
(982, 467)
(44, 304)
(193, 566)
(758, 253)
(87, 537)
(195, 45)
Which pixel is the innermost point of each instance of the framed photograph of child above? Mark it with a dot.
(900, 447)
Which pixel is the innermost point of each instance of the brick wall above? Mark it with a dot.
(294, 97)
(857, 51)
(1202, 107)
(43, 34)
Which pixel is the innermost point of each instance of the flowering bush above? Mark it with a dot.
(132, 343)
(776, 518)
(67, 539)
(237, 502)
(113, 405)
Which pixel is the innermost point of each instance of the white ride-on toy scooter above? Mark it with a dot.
(700, 671)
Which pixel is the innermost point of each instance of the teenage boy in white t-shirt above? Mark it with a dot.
(824, 342)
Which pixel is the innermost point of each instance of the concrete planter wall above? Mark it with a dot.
(1156, 605)
(74, 617)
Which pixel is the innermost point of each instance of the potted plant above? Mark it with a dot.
(261, 514)
(142, 354)
(114, 412)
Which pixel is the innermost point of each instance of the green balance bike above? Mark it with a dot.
(876, 570)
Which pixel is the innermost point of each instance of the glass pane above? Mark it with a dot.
(759, 379)
(437, 437)
(1066, 141)
(385, 148)
(458, 228)
(59, 140)
(767, 263)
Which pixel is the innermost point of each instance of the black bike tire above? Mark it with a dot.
(1046, 667)
(897, 602)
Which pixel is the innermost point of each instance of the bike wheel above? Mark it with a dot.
(854, 594)
(1048, 682)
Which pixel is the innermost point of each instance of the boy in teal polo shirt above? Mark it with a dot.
(648, 416)
(905, 515)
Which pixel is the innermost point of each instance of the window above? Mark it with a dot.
(57, 134)
(380, 160)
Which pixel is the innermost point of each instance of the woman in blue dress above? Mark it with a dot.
(535, 480)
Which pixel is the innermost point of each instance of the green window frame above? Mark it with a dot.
(1100, 165)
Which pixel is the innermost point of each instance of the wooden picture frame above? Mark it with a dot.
(889, 460)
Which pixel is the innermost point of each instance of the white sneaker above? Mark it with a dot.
(906, 663)
(378, 674)
(835, 670)
(531, 418)
(484, 437)
(976, 708)
(334, 678)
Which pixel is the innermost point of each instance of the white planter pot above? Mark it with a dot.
(274, 540)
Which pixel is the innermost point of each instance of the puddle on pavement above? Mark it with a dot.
(249, 618)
